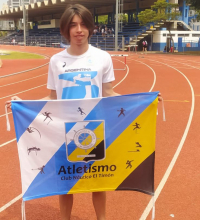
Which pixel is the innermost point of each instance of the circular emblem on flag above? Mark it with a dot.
(85, 139)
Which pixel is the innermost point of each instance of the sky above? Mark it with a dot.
(1, 2)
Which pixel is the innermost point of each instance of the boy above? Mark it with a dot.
(80, 71)
(85, 72)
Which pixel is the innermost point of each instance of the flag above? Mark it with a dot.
(89, 145)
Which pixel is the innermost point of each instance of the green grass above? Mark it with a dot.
(12, 55)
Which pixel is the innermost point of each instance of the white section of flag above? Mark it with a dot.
(52, 138)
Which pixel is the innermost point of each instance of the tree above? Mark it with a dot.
(3, 33)
(161, 11)
(198, 15)
(146, 16)
(194, 3)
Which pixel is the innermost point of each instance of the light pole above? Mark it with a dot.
(24, 21)
(116, 25)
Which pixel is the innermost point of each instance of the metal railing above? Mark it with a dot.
(103, 42)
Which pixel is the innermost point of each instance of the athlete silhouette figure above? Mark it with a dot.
(47, 114)
(135, 150)
(33, 149)
(41, 169)
(136, 126)
(121, 112)
(31, 130)
(138, 144)
(129, 164)
(81, 111)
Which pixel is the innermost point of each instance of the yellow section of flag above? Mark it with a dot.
(133, 146)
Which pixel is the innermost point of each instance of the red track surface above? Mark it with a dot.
(179, 196)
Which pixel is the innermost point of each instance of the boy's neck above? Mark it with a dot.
(77, 50)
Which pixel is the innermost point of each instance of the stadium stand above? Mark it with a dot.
(51, 37)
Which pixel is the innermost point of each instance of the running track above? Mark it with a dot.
(177, 173)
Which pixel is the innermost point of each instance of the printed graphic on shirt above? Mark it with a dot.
(78, 84)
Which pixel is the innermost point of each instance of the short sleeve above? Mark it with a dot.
(50, 80)
(108, 75)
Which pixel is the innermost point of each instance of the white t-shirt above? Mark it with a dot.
(79, 77)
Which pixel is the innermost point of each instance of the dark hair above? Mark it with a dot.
(68, 15)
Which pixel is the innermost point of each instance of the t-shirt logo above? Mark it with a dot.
(78, 85)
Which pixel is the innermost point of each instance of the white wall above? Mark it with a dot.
(188, 36)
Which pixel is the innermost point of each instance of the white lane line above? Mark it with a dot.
(175, 157)
(8, 142)
(154, 81)
(193, 61)
(10, 203)
(20, 196)
(127, 72)
(24, 80)
(184, 64)
(45, 84)
(5, 114)
(22, 91)
(24, 71)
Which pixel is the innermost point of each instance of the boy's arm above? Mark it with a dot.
(107, 90)
(51, 96)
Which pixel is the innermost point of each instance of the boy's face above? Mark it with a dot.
(78, 32)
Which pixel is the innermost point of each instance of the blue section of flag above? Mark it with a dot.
(92, 126)
(115, 125)
(24, 113)
(69, 126)
(38, 186)
(53, 181)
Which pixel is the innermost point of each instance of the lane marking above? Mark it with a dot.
(176, 101)
(183, 64)
(8, 142)
(22, 91)
(24, 71)
(185, 68)
(154, 81)
(10, 203)
(23, 80)
(20, 196)
(45, 84)
(127, 72)
(175, 157)
(5, 114)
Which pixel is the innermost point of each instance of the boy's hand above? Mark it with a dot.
(160, 97)
(8, 103)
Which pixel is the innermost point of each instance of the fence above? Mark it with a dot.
(102, 42)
